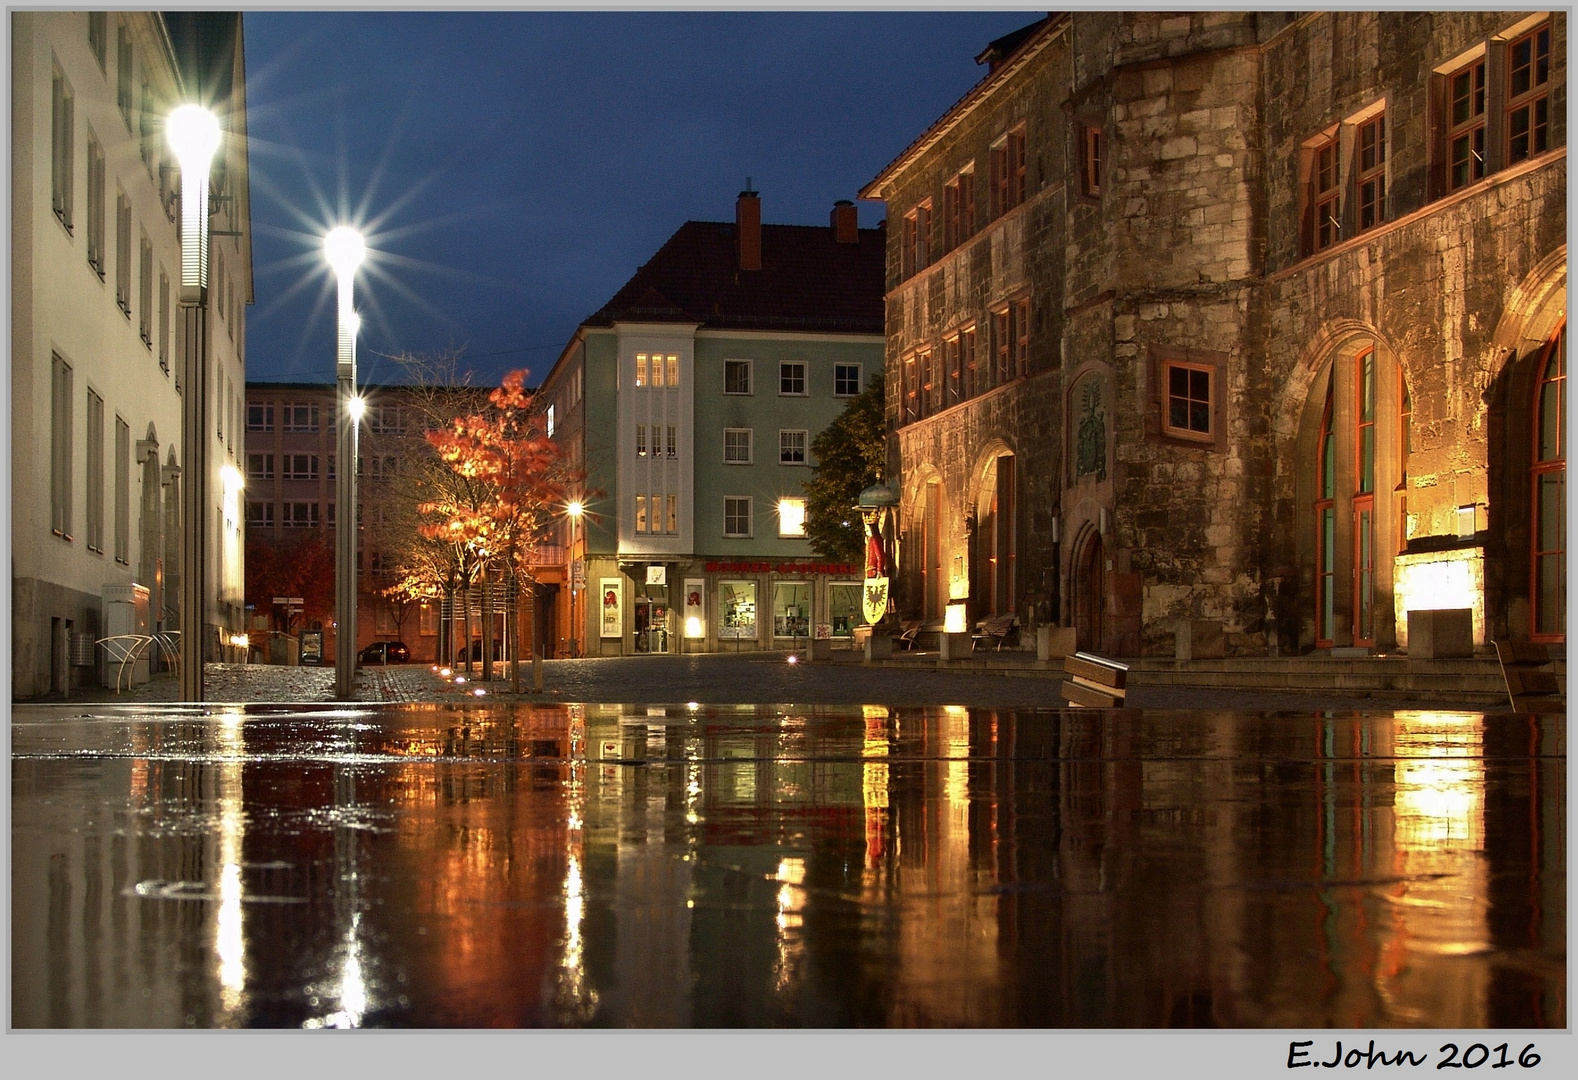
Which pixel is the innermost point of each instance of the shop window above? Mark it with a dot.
(737, 610)
(792, 609)
(844, 608)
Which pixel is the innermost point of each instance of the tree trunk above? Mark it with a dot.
(487, 625)
(520, 625)
(465, 615)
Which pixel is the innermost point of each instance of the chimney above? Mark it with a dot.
(748, 224)
(846, 222)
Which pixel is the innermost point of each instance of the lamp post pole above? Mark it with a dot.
(575, 510)
(345, 250)
(194, 137)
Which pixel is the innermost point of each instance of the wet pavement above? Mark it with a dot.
(501, 864)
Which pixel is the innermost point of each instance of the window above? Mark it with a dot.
(550, 421)
(299, 418)
(60, 447)
(95, 206)
(99, 36)
(260, 466)
(737, 515)
(386, 420)
(1008, 172)
(260, 514)
(641, 513)
(123, 73)
(331, 467)
(123, 234)
(1548, 532)
(1090, 160)
(145, 294)
(672, 363)
(911, 390)
(95, 472)
(122, 491)
(147, 138)
(62, 186)
(846, 380)
(958, 209)
(736, 376)
(673, 442)
(1002, 345)
(952, 371)
(299, 515)
(1188, 400)
(379, 466)
(791, 447)
(844, 607)
(917, 239)
(329, 517)
(736, 446)
(303, 466)
(791, 378)
(641, 440)
(791, 609)
(1326, 530)
(974, 378)
(1019, 327)
(673, 514)
(1466, 136)
(164, 322)
(1370, 174)
(641, 370)
(260, 416)
(791, 517)
(1323, 227)
(737, 609)
(1528, 102)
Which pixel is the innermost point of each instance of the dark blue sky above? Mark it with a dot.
(513, 169)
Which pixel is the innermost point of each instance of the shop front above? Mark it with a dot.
(744, 606)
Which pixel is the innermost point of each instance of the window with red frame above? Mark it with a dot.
(1466, 135)
(1528, 95)
(1370, 172)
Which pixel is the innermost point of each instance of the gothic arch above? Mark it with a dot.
(993, 493)
(1533, 309)
(934, 535)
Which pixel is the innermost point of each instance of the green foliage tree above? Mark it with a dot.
(850, 454)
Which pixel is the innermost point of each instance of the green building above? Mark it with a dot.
(689, 401)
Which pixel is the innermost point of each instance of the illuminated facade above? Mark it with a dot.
(1256, 318)
(96, 334)
(690, 401)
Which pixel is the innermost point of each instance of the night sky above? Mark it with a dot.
(513, 169)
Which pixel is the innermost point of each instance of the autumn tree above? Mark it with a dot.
(512, 483)
(850, 454)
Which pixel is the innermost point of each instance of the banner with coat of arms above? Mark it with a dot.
(874, 599)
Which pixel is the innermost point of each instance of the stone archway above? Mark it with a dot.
(994, 584)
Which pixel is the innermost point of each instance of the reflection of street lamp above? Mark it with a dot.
(194, 137)
(345, 250)
(575, 510)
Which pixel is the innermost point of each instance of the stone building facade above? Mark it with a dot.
(1270, 306)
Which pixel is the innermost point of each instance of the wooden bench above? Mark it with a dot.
(996, 629)
(1094, 682)
(1529, 674)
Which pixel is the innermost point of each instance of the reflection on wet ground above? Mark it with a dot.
(715, 866)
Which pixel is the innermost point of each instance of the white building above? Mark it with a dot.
(95, 319)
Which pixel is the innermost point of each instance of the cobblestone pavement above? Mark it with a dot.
(724, 679)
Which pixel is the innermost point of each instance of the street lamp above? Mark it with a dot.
(194, 137)
(575, 510)
(345, 250)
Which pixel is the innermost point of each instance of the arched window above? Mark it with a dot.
(1364, 499)
(1548, 503)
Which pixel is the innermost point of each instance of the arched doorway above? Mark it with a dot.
(996, 537)
(1090, 592)
(1548, 497)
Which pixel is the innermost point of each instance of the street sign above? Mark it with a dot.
(288, 600)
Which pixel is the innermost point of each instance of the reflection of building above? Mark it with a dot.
(97, 333)
(690, 400)
(1256, 318)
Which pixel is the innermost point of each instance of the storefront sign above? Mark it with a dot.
(780, 568)
(657, 574)
(612, 591)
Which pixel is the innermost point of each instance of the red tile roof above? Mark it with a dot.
(808, 282)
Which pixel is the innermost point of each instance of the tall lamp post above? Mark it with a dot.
(194, 137)
(575, 509)
(345, 250)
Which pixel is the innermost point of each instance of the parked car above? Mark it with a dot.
(385, 652)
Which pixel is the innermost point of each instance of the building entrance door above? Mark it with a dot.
(1090, 594)
(651, 626)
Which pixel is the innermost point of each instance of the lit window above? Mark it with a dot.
(641, 369)
(641, 440)
(641, 513)
(791, 517)
(673, 443)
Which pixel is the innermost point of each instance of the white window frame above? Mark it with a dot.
(750, 379)
(859, 372)
(750, 517)
(750, 446)
(805, 443)
(783, 369)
